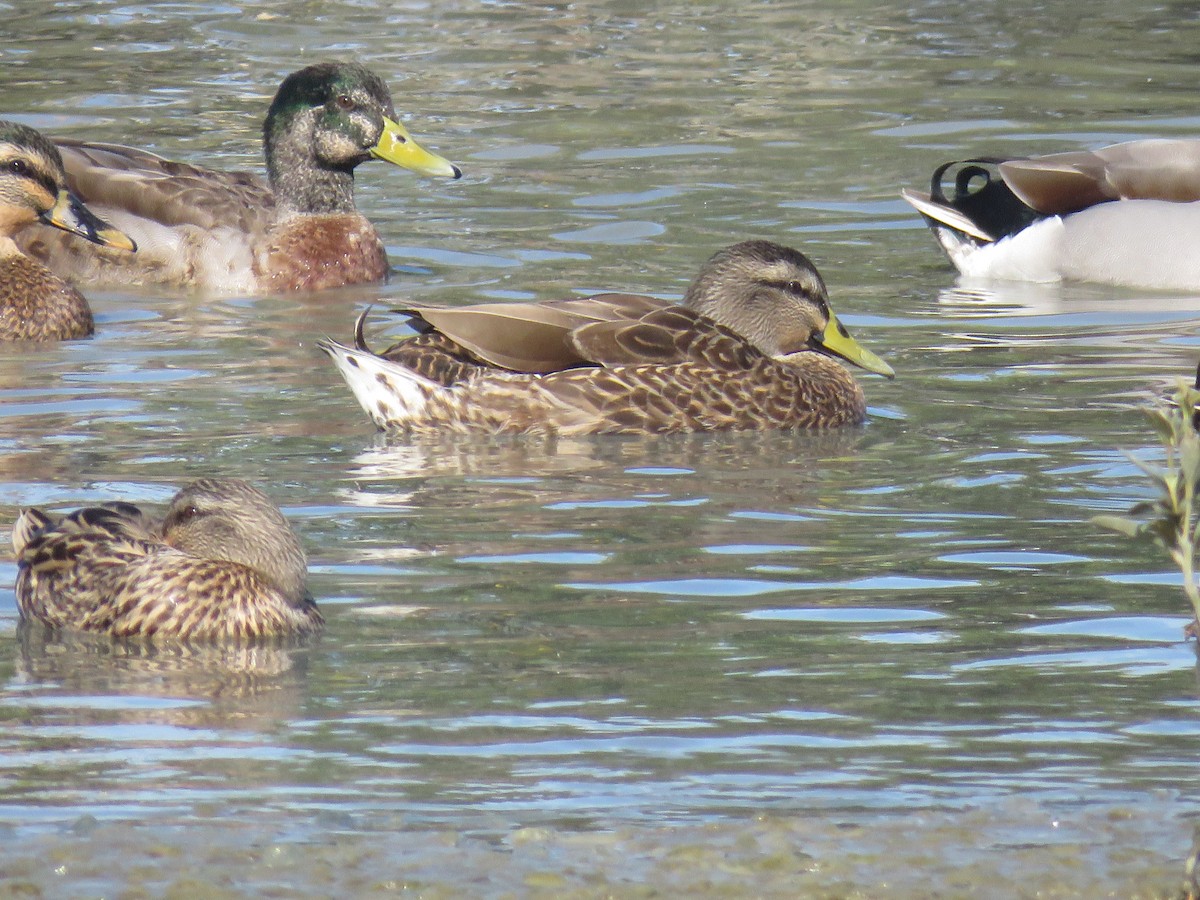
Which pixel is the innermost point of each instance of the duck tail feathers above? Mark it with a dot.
(29, 525)
(979, 205)
(938, 215)
(391, 394)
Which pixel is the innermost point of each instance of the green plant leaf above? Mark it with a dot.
(1154, 473)
(1189, 458)
(1170, 520)
(1119, 524)
(1145, 507)
(1165, 531)
(1161, 422)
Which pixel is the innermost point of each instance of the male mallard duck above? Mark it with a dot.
(1126, 214)
(222, 564)
(35, 304)
(750, 347)
(231, 231)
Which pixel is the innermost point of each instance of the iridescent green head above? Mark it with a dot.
(330, 117)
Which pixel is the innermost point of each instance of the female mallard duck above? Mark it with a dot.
(1127, 214)
(750, 347)
(222, 564)
(35, 304)
(230, 231)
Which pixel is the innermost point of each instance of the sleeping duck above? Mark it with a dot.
(221, 564)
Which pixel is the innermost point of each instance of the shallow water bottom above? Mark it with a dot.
(1013, 848)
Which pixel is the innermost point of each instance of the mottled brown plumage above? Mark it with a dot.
(750, 348)
(222, 564)
(35, 304)
(233, 231)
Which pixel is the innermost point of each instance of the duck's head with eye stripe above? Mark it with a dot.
(232, 520)
(33, 187)
(35, 303)
(774, 297)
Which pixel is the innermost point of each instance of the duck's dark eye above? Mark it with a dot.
(18, 167)
(182, 515)
(345, 101)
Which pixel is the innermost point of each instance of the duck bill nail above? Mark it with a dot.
(397, 146)
(69, 214)
(836, 341)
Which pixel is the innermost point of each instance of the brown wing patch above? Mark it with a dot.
(667, 336)
(519, 337)
(529, 337)
(1061, 183)
(607, 307)
(436, 357)
(172, 193)
(1058, 188)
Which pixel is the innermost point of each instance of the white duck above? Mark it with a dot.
(1126, 214)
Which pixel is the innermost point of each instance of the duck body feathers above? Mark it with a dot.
(612, 363)
(1127, 214)
(706, 380)
(234, 232)
(110, 569)
(205, 229)
(37, 305)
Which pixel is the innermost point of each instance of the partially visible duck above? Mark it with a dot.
(1127, 214)
(233, 232)
(754, 345)
(222, 564)
(35, 304)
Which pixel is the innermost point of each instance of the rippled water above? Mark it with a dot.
(698, 663)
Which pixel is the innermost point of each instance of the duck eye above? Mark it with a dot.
(18, 167)
(185, 514)
(344, 101)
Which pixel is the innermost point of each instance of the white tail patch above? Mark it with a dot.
(392, 395)
(947, 215)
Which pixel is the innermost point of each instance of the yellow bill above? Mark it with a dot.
(397, 146)
(836, 341)
(70, 214)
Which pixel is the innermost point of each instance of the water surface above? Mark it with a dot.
(702, 663)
